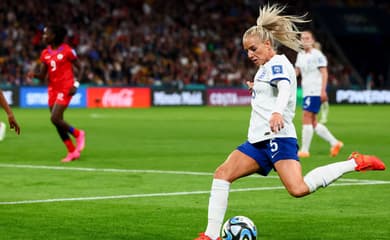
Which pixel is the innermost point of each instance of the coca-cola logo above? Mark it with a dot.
(123, 98)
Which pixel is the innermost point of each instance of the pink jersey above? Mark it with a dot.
(59, 66)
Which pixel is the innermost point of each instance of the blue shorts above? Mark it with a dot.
(268, 152)
(312, 104)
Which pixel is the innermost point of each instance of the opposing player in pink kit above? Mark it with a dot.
(57, 61)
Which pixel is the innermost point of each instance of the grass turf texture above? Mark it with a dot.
(193, 139)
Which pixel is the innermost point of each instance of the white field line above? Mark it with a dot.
(148, 195)
(104, 169)
(139, 171)
(114, 170)
(348, 182)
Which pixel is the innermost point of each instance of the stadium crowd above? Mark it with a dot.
(140, 42)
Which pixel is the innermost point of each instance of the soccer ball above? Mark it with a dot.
(2, 130)
(239, 228)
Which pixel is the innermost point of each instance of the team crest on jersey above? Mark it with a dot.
(60, 56)
(261, 75)
(277, 69)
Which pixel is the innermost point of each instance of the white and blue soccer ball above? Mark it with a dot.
(239, 228)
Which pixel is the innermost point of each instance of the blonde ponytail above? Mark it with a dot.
(277, 28)
(317, 45)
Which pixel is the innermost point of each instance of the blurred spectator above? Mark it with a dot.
(370, 81)
(160, 43)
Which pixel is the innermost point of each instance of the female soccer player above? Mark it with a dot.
(312, 65)
(272, 141)
(57, 61)
(11, 118)
(324, 109)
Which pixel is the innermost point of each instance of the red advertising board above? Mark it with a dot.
(118, 97)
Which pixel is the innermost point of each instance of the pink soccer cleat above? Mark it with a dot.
(71, 156)
(80, 140)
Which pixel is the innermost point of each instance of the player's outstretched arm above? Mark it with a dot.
(41, 73)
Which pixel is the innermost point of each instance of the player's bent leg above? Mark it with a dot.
(325, 134)
(218, 202)
(80, 141)
(237, 165)
(325, 175)
(57, 116)
(290, 173)
(307, 134)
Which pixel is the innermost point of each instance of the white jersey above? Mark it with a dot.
(309, 64)
(264, 97)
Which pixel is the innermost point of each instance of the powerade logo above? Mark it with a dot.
(363, 97)
(36, 97)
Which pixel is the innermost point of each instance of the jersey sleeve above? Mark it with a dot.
(278, 73)
(41, 57)
(298, 62)
(71, 53)
(284, 89)
(321, 60)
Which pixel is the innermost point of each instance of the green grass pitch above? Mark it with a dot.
(146, 174)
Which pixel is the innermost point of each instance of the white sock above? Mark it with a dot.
(324, 133)
(307, 135)
(325, 175)
(217, 207)
(324, 112)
